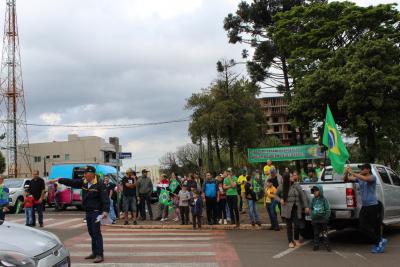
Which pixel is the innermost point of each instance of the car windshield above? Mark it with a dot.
(13, 183)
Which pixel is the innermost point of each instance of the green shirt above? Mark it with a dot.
(231, 191)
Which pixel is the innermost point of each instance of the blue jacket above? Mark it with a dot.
(197, 207)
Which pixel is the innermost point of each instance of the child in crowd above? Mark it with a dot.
(320, 213)
(28, 207)
(221, 200)
(270, 204)
(184, 198)
(197, 209)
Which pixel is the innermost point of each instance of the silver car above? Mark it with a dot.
(28, 247)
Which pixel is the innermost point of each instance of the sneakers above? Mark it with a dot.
(225, 222)
(377, 249)
(134, 222)
(383, 243)
(220, 221)
(162, 219)
(176, 219)
(98, 259)
(90, 257)
(126, 223)
(292, 245)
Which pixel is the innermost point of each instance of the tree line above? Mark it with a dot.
(313, 53)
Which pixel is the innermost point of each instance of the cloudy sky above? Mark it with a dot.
(120, 61)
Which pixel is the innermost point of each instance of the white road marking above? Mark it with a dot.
(340, 254)
(63, 222)
(361, 256)
(167, 264)
(156, 234)
(156, 239)
(290, 250)
(168, 245)
(77, 226)
(148, 254)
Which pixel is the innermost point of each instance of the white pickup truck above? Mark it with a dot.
(345, 201)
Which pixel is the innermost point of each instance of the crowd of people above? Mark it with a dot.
(224, 196)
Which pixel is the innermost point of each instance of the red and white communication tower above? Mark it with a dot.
(12, 105)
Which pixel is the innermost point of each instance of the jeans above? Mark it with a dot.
(129, 203)
(253, 213)
(320, 230)
(184, 214)
(39, 208)
(228, 211)
(196, 221)
(29, 216)
(233, 208)
(2, 214)
(222, 209)
(292, 226)
(95, 232)
(271, 209)
(112, 214)
(370, 222)
(211, 206)
(145, 199)
(163, 211)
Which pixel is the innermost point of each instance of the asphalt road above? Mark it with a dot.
(247, 248)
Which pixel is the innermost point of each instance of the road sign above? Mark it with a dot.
(125, 155)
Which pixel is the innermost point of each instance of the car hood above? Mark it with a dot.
(26, 240)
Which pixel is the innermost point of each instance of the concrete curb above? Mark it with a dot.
(190, 227)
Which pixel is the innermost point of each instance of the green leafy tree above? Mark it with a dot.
(349, 57)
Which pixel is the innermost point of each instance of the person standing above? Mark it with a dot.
(221, 200)
(268, 167)
(251, 198)
(369, 217)
(184, 198)
(129, 196)
(230, 185)
(197, 210)
(210, 194)
(96, 204)
(293, 202)
(28, 207)
(242, 182)
(270, 204)
(4, 194)
(110, 188)
(144, 188)
(38, 190)
(164, 184)
(320, 213)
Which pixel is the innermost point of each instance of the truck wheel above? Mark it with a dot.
(307, 231)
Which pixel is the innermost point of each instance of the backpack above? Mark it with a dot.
(210, 189)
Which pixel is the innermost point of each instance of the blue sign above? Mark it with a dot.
(125, 155)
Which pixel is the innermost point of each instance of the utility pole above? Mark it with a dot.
(13, 110)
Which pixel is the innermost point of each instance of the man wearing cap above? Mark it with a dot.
(144, 188)
(129, 196)
(369, 217)
(96, 203)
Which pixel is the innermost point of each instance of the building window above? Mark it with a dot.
(275, 120)
(66, 157)
(37, 159)
(56, 156)
(276, 129)
(47, 157)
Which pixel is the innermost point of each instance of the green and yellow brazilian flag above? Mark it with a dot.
(337, 151)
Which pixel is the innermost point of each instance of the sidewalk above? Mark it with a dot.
(170, 224)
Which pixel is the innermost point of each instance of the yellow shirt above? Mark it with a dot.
(267, 168)
(242, 181)
(268, 192)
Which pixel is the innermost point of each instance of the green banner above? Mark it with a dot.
(288, 153)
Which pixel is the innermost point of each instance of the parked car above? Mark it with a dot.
(345, 201)
(62, 196)
(26, 246)
(17, 189)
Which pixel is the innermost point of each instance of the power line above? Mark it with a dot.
(109, 126)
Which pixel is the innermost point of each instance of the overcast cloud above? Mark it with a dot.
(120, 61)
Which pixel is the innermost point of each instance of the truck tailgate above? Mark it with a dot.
(335, 192)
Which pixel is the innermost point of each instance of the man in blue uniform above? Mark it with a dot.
(96, 203)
